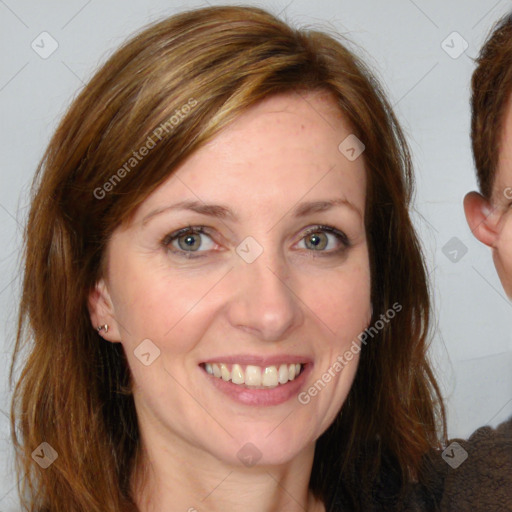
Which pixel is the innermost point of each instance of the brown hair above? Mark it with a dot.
(71, 391)
(491, 86)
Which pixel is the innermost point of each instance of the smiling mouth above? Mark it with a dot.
(252, 376)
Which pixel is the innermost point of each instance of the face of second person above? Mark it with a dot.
(502, 201)
(491, 221)
(254, 295)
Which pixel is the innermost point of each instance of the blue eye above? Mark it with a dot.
(187, 241)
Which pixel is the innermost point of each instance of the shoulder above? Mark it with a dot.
(478, 471)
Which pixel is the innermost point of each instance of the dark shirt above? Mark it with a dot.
(483, 482)
(473, 475)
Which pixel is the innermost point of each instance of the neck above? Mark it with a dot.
(188, 480)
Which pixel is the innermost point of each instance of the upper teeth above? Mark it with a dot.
(268, 376)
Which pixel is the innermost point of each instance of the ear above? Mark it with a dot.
(482, 218)
(101, 311)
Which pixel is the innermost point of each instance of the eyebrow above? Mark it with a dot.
(225, 213)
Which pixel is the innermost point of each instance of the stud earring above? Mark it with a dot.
(99, 328)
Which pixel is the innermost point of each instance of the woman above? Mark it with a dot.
(224, 299)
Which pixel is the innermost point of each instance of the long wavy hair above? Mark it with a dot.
(73, 388)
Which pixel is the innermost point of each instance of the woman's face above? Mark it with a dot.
(215, 323)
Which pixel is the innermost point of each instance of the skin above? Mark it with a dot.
(290, 300)
(490, 220)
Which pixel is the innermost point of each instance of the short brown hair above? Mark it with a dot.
(491, 86)
(226, 59)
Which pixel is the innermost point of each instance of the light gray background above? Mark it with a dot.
(402, 41)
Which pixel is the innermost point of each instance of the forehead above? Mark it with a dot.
(284, 149)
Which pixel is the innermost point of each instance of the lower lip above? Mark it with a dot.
(271, 396)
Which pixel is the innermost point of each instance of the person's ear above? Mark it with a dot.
(482, 218)
(101, 312)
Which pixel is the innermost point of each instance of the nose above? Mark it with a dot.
(265, 302)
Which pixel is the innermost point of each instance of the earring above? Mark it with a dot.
(99, 328)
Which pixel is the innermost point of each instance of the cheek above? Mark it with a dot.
(155, 302)
(504, 242)
(341, 299)
(502, 255)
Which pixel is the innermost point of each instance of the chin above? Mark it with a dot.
(504, 272)
(270, 446)
(506, 282)
(508, 289)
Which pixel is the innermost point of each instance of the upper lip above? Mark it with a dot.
(258, 360)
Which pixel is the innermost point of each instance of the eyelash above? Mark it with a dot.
(171, 237)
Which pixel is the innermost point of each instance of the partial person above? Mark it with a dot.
(489, 211)
(489, 216)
